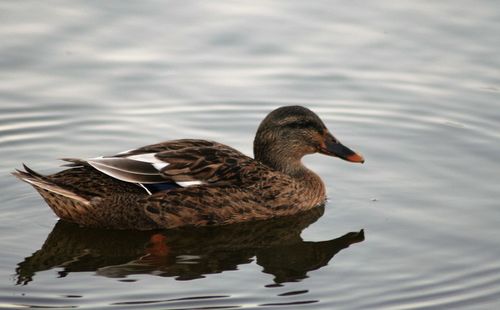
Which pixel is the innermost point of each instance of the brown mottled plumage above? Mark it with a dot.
(219, 185)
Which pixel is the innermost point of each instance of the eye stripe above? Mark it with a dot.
(305, 125)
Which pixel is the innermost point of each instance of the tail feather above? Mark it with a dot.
(32, 172)
(74, 162)
(41, 182)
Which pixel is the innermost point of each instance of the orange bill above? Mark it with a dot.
(333, 147)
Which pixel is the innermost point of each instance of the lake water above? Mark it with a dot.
(413, 86)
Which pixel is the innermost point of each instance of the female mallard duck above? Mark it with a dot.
(196, 182)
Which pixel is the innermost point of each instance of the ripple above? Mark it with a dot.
(413, 87)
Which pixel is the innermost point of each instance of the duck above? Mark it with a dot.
(194, 182)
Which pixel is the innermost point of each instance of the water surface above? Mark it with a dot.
(414, 87)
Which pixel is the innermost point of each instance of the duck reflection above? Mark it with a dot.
(187, 253)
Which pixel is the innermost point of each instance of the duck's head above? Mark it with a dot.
(288, 133)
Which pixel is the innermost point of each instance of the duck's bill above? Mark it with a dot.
(333, 147)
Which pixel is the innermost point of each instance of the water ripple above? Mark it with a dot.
(412, 86)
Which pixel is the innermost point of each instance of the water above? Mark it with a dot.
(414, 87)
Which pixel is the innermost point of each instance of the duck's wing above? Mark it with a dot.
(184, 162)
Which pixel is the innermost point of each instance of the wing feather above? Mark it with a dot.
(186, 162)
(127, 170)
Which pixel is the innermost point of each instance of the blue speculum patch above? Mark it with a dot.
(158, 187)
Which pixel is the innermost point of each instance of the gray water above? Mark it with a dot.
(413, 86)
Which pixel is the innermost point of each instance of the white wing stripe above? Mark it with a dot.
(190, 183)
(147, 158)
(160, 166)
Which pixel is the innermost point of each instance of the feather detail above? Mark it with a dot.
(127, 170)
(147, 158)
(38, 181)
(151, 158)
(190, 183)
(142, 169)
(147, 190)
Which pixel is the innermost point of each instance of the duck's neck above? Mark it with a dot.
(286, 163)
